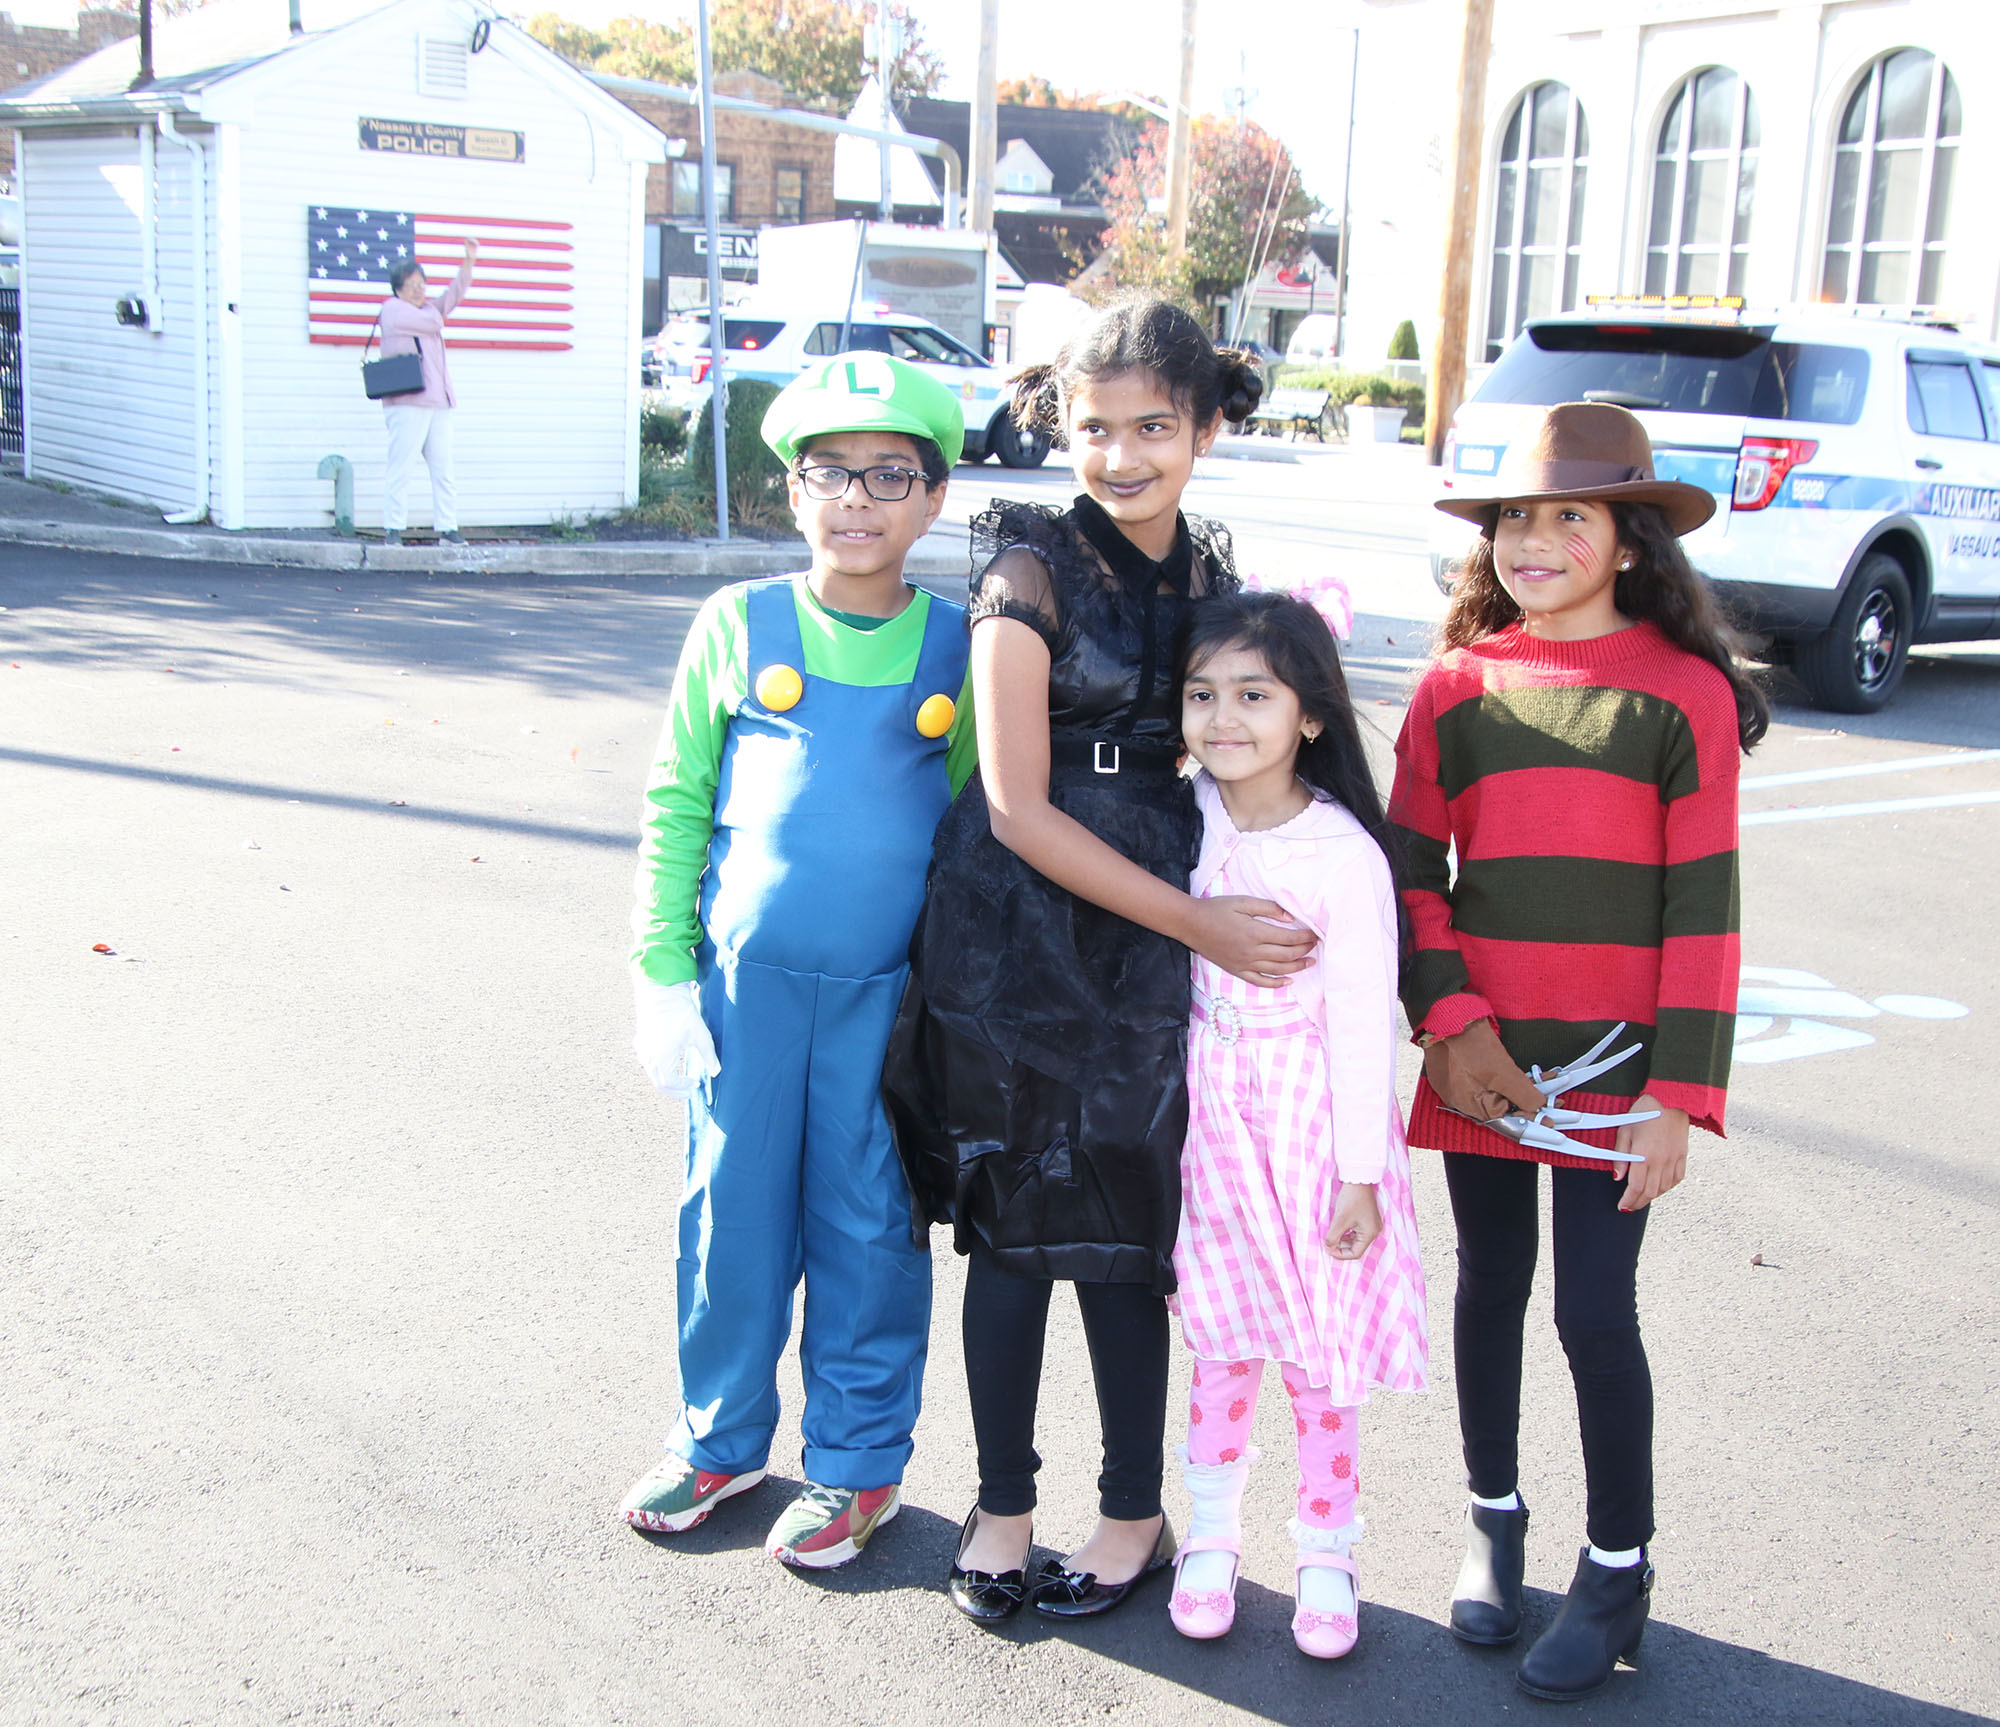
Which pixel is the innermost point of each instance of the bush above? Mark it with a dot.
(1403, 344)
(662, 433)
(755, 473)
(1376, 389)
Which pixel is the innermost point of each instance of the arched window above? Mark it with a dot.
(1537, 212)
(1704, 182)
(1892, 172)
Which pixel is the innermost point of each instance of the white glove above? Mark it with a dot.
(672, 1041)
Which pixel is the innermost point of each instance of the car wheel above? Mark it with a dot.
(1855, 667)
(1014, 447)
(973, 453)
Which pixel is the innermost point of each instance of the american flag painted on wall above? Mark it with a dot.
(522, 285)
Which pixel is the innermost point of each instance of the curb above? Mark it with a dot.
(737, 559)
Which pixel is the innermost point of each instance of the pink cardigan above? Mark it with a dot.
(408, 329)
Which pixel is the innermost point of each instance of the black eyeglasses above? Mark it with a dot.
(826, 480)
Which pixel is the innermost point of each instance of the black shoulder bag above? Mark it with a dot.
(394, 375)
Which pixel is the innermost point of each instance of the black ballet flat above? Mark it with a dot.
(985, 1597)
(1060, 1593)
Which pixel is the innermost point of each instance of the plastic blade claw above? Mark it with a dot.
(1586, 1066)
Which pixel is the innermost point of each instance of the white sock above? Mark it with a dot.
(1508, 1502)
(1326, 1590)
(1622, 1559)
(1207, 1573)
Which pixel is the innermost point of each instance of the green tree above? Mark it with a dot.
(812, 47)
(1246, 206)
(1403, 344)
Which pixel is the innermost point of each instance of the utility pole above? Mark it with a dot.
(1178, 131)
(718, 401)
(985, 117)
(1446, 384)
(1346, 213)
(885, 66)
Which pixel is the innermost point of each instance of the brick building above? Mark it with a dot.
(34, 51)
(767, 172)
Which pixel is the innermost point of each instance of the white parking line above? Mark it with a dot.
(1906, 764)
(1885, 807)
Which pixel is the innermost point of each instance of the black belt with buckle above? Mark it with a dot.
(1103, 755)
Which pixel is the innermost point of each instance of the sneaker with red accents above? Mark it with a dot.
(828, 1526)
(675, 1495)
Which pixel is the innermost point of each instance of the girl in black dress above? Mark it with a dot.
(1036, 1079)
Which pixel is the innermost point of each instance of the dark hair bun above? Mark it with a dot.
(1037, 403)
(1242, 385)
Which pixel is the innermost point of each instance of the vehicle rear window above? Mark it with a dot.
(1943, 400)
(861, 339)
(918, 342)
(1682, 369)
(749, 333)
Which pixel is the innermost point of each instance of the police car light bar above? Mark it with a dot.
(1701, 308)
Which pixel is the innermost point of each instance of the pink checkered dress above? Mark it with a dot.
(1290, 1091)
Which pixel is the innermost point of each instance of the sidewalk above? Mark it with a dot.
(39, 515)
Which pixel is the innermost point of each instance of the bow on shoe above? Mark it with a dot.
(1549, 1128)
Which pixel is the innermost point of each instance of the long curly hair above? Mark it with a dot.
(1661, 588)
(1141, 334)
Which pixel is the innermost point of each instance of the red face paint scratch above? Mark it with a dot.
(1582, 554)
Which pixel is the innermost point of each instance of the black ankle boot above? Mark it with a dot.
(1486, 1601)
(1601, 1622)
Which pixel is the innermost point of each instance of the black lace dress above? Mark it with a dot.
(1036, 1078)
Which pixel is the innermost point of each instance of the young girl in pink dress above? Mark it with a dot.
(1298, 1240)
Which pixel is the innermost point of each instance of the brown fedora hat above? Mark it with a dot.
(1587, 450)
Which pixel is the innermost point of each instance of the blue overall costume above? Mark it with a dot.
(824, 815)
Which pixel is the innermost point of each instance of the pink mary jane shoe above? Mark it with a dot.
(1203, 1613)
(1326, 1635)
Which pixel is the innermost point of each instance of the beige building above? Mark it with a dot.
(1793, 150)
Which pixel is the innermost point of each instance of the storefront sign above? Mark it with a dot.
(462, 143)
(684, 251)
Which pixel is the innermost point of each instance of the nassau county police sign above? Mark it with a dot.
(454, 143)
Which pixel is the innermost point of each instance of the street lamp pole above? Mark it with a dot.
(718, 401)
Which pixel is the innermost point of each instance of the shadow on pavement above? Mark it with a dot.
(399, 810)
(1945, 698)
(1407, 1668)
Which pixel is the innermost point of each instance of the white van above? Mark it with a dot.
(1854, 455)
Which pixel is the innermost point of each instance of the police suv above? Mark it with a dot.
(776, 344)
(1854, 456)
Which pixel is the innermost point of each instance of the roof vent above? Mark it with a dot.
(444, 66)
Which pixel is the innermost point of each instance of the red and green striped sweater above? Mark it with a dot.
(1589, 791)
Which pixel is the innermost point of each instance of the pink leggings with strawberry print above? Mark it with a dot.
(1225, 1402)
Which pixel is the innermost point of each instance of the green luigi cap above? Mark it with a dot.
(864, 392)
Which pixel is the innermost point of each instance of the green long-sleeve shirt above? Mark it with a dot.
(712, 679)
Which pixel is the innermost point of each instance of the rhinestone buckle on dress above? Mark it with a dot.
(1226, 1023)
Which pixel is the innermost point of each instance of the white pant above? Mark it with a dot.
(414, 430)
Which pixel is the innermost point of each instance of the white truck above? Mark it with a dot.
(944, 276)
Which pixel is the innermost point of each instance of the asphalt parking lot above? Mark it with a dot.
(335, 1250)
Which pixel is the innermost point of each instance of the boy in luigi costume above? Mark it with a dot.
(819, 726)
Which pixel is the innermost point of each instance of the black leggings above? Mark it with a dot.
(1005, 1323)
(1493, 1200)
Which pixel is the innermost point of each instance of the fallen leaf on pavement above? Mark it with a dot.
(101, 947)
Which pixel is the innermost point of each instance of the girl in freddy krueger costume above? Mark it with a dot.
(1576, 740)
(1298, 1238)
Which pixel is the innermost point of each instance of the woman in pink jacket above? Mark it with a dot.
(420, 422)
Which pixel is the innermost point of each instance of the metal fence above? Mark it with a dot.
(10, 371)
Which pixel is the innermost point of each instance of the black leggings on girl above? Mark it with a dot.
(1006, 1319)
(1493, 1200)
